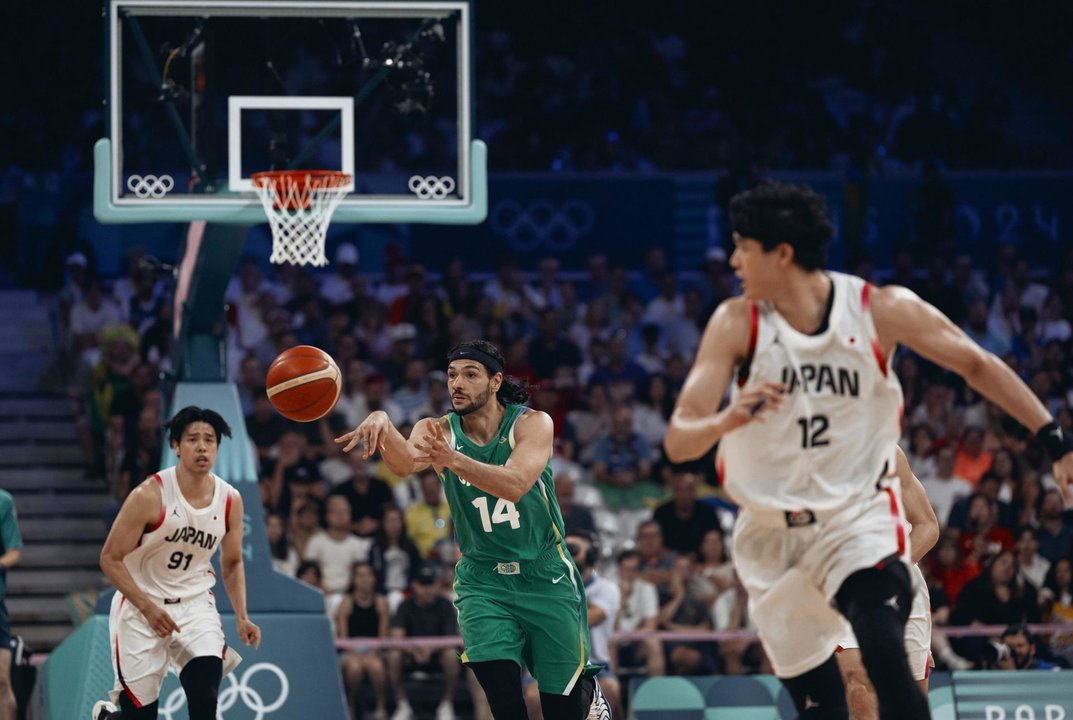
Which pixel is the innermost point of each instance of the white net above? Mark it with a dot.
(299, 205)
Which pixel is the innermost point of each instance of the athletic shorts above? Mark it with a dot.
(532, 612)
(917, 630)
(793, 564)
(140, 658)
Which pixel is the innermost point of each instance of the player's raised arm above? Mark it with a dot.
(902, 317)
(918, 510)
(695, 425)
(533, 436)
(378, 432)
(234, 573)
(141, 510)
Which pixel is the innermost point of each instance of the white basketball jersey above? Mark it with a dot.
(173, 558)
(835, 432)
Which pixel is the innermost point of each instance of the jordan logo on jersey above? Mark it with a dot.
(193, 536)
(821, 380)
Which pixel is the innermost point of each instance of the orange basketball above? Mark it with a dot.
(303, 383)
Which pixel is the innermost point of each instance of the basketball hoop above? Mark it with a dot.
(299, 205)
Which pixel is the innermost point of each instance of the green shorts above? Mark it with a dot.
(536, 616)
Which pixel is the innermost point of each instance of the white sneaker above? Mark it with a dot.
(445, 711)
(403, 711)
(102, 709)
(600, 708)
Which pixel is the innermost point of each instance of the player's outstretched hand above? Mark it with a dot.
(159, 620)
(434, 447)
(248, 632)
(370, 433)
(753, 403)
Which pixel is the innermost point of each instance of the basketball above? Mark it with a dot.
(303, 383)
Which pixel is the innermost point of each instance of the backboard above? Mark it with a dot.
(204, 93)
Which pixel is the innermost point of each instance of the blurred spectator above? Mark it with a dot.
(142, 308)
(714, 567)
(425, 613)
(428, 521)
(411, 394)
(284, 556)
(338, 286)
(639, 612)
(403, 346)
(1056, 601)
(731, 612)
(363, 613)
(251, 378)
(921, 453)
(996, 597)
(437, 400)
(949, 567)
(982, 537)
(1021, 645)
(376, 398)
(264, 427)
(585, 424)
(366, 495)
(682, 519)
(352, 405)
(1031, 566)
(653, 410)
(620, 370)
(604, 599)
(293, 474)
(1055, 534)
(551, 347)
(622, 458)
(394, 557)
(90, 315)
(944, 487)
(575, 517)
(972, 460)
(1007, 471)
(109, 378)
(337, 548)
(304, 523)
(686, 611)
(309, 573)
(657, 562)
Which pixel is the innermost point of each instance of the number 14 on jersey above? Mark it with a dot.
(503, 512)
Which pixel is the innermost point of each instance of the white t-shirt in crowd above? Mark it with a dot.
(642, 603)
(336, 557)
(943, 493)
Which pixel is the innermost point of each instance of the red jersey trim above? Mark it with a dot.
(119, 673)
(897, 519)
(866, 293)
(163, 510)
(754, 330)
(227, 513)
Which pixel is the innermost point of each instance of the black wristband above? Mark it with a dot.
(1055, 440)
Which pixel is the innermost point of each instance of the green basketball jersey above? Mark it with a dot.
(492, 529)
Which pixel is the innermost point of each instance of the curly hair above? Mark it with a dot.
(776, 212)
(513, 391)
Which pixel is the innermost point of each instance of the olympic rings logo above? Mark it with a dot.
(147, 186)
(542, 222)
(431, 187)
(234, 691)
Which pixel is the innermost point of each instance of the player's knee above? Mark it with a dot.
(819, 694)
(882, 590)
(201, 682)
(501, 681)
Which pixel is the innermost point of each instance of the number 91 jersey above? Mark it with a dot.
(489, 528)
(835, 430)
(174, 557)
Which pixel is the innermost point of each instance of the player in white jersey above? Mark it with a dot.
(158, 555)
(923, 534)
(807, 444)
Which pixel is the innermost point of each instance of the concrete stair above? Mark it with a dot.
(60, 512)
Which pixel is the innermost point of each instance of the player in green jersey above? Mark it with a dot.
(520, 598)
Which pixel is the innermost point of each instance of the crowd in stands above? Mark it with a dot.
(605, 356)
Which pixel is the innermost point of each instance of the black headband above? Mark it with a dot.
(493, 365)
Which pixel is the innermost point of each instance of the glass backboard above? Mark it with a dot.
(202, 94)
